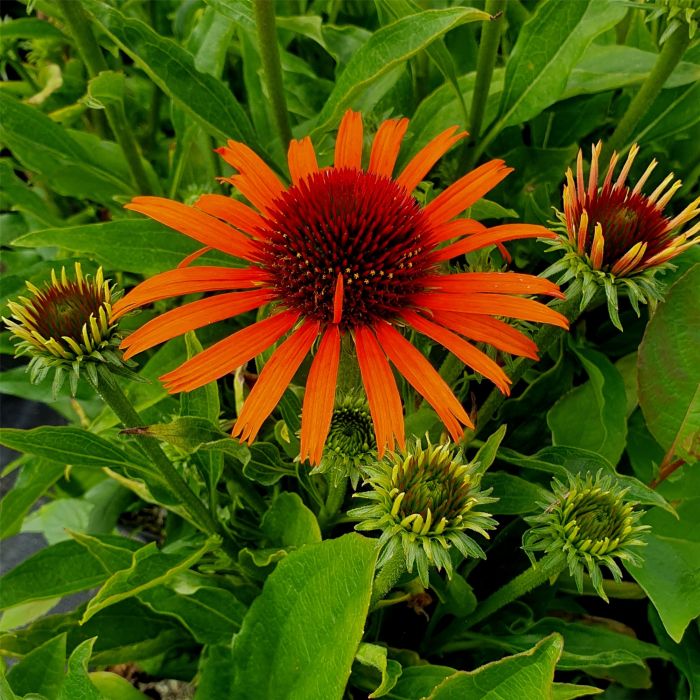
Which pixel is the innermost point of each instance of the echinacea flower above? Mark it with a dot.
(66, 325)
(343, 250)
(350, 445)
(592, 523)
(616, 236)
(425, 501)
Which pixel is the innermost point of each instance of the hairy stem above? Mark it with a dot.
(667, 60)
(116, 399)
(81, 29)
(387, 577)
(272, 68)
(334, 500)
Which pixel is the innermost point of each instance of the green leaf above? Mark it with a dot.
(516, 495)
(63, 568)
(23, 198)
(669, 371)
(212, 615)
(106, 88)
(172, 69)
(610, 67)
(44, 147)
(375, 656)
(216, 669)
(150, 567)
(114, 687)
(279, 652)
(289, 523)
(187, 433)
(561, 461)
(419, 681)
(548, 47)
(266, 465)
(486, 454)
(569, 691)
(593, 416)
(40, 671)
(67, 445)
(670, 574)
(35, 478)
(202, 402)
(529, 674)
(77, 684)
(30, 28)
(140, 246)
(673, 114)
(387, 49)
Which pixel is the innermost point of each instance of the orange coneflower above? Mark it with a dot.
(616, 235)
(342, 251)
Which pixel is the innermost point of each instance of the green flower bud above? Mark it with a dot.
(424, 501)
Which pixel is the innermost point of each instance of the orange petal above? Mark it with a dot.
(319, 397)
(493, 305)
(302, 159)
(191, 316)
(228, 354)
(338, 300)
(492, 236)
(273, 380)
(424, 378)
(188, 280)
(348, 144)
(488, 330)
(425, 159)
(256, 181)
(233, 212)
(195, 224)
(504, 282)
(452, 229)
(467, 353)
(382, 394)
(189, 259)
(466, 191)
(386, 145)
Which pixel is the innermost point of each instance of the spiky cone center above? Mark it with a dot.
(345, 242)
(619, 229)
(67, 319)
(592, 524)
(424, 501)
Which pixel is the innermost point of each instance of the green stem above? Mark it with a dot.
(116, 399)
(548, 567)
(486, 61)
(81, 29)
(667, 60)
(545, 338)
(387, 577)
(334, 501)
(272, 68)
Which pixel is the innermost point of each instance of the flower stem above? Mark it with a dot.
(272, 68)
(334, 500)
(387, 577)
(667, 60)
(486, 61)
(116, 399)
(551, 565)
(81, 29)
(544, 339)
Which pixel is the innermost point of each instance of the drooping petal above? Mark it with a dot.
(319, 397)
(382, 394)
(228, 354)
(492, 236)
(195, 224)
(467, 353)
(191, 316)
(466, 191)
(233, 212)
(488, 330)
(302, 159)
(348, 144)
(386, 145)
(492, 305)
(424, 378)
(485, 282)
(188, 280)
(273, 380)
(256, 180)
(419, 166)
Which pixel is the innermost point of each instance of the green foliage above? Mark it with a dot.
(252, 584)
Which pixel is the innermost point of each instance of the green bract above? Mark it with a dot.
(424, 500)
